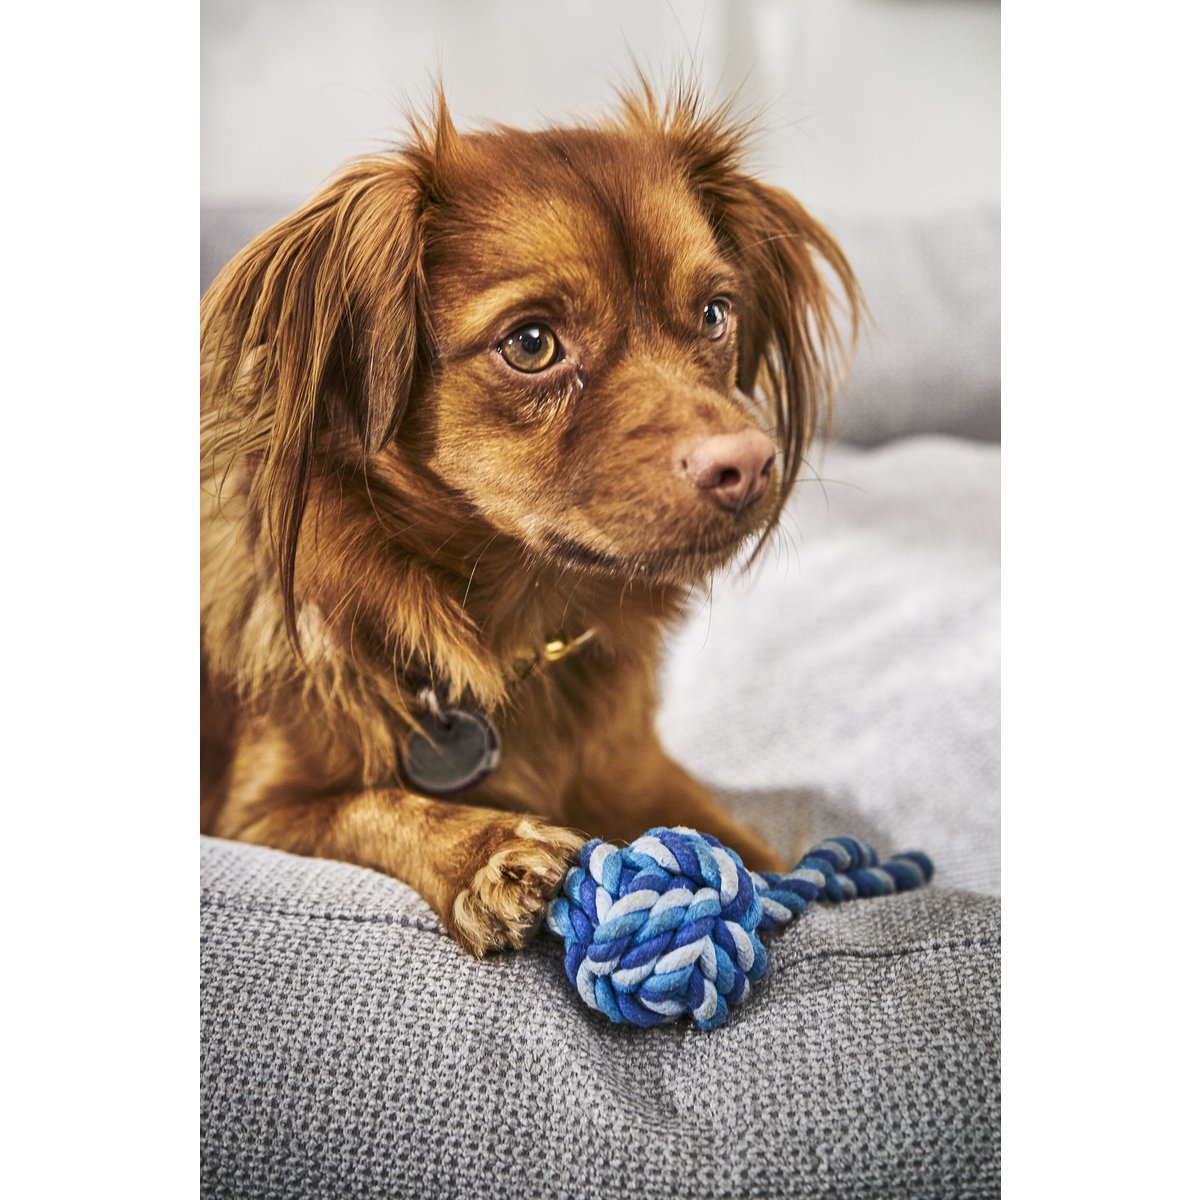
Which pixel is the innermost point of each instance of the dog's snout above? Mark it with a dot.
(731, 469)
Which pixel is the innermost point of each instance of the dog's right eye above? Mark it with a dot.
(716, 319)
(530, 348)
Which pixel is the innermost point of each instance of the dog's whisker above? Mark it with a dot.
(471, 577)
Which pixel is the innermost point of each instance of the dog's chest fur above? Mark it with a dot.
(559, 724)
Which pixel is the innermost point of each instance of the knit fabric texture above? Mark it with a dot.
(351, 1050)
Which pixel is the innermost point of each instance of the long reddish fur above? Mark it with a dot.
(383, 505)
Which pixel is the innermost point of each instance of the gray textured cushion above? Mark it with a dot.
(930, 362)
(856, 673)
(350, 1050)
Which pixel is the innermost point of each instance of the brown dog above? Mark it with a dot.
(484, 400)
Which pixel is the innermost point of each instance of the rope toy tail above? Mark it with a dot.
(670, 925)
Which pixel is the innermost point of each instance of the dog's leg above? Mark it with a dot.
(651, 789)
(487, 874)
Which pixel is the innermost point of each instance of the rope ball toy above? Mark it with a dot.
(669, 926)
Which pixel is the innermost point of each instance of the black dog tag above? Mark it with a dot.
(452, 750)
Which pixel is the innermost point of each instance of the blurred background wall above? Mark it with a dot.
(872, 106)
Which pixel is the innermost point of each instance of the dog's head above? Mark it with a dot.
(611, 341)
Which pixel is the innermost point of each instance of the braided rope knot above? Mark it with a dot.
(670, 925)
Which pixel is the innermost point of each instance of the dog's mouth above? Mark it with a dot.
(697, 557)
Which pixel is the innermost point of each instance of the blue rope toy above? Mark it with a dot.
(669, 925)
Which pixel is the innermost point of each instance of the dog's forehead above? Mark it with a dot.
(583, 210)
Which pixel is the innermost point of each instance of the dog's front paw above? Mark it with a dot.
(506, 897)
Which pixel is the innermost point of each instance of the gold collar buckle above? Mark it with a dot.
(553, 651)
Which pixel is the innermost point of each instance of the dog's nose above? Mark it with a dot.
(732, 469)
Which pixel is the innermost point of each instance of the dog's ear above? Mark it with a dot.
(313, 336)
(790, 348)
(322, 308)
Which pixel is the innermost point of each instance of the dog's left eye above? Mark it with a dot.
(716, 319)
(530, 348)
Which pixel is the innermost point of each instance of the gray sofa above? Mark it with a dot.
(350, 1050)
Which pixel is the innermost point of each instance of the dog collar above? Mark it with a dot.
(555, 650)
(454, 749)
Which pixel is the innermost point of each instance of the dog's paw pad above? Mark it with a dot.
(504, 902)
